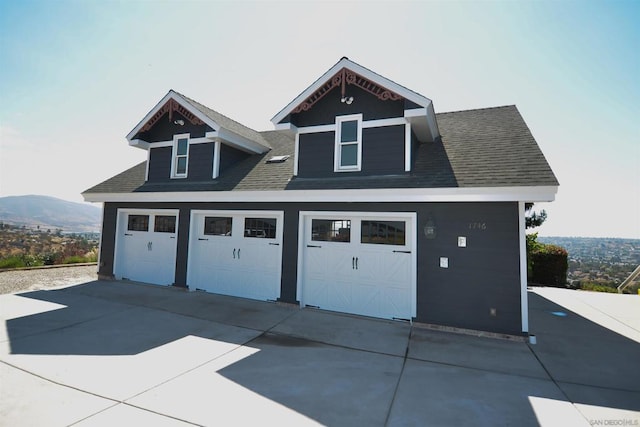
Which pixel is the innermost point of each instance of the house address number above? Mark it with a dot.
(477, 226)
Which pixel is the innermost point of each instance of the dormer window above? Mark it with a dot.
(180, 159)
(348, 149)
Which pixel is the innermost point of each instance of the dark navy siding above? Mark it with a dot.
(160, 164)
(230, 156)
(164, 129)
(315, 154)
(409, 105)
(324, 112)
(382, 153)
(382, 150)
(107, 241)
(200, 167)
(482, 276)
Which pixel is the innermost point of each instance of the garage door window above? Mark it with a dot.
(331, 230)
(138, 223)
(383, 232)
(217, 226)
(264, 228)
(165, 224)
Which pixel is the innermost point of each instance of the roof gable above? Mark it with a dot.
(346, 72)
(224, 129)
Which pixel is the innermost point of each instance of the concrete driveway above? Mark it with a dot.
(115, 353)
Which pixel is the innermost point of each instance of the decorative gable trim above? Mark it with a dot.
(170, 103)
(174, 102)
(343, 78)
(169, 107)
(366, 76)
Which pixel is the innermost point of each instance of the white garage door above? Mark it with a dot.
(237, 253)
(146, 246)
(360, 263)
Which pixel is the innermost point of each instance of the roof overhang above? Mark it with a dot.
(457, 194)
(424, 102)
(218, 134)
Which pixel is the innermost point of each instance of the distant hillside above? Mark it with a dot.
(49, 213)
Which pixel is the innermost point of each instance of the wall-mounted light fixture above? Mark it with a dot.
(430, 228)
(178, 122)
(347, 100)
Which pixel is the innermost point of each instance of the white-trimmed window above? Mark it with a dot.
(348, 150)
(180, 156)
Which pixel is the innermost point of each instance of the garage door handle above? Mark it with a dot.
(401, 252)
(238, 253)
(353, 263)
(356, 263)
(234, 253)
(313, 246)
(200, 238)
(274, 244)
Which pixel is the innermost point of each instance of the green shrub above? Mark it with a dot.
(74, 259)
(549, 265)
(20, 261)
(12, 262)
(589, 286)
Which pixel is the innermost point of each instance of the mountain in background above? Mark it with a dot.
(49, 213)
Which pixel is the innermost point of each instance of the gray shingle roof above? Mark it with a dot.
(227, 123)
(489, 147)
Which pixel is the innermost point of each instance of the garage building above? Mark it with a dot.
(362, 200)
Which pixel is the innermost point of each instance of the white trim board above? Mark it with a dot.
(524, 301)
(457, 194)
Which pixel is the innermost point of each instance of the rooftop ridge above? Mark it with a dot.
(478, 109)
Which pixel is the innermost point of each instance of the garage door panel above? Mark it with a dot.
(367, 270)
(243, 254)
(146, 246)
(385, 267)
(341, 295)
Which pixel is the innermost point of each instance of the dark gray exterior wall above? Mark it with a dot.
(200, 166)
(159, 164)
(315, 154)
(482, 276)
(382, 150)
(382, 153)
(230, 156)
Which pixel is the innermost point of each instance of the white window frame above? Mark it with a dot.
(338, 145)
(174, 156)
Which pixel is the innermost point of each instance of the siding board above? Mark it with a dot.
(230, 156)
(382, 153)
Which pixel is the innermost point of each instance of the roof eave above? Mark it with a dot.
(419, 195)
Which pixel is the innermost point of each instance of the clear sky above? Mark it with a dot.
(76, 77)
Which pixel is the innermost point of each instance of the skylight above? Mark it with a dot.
(277, 159)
